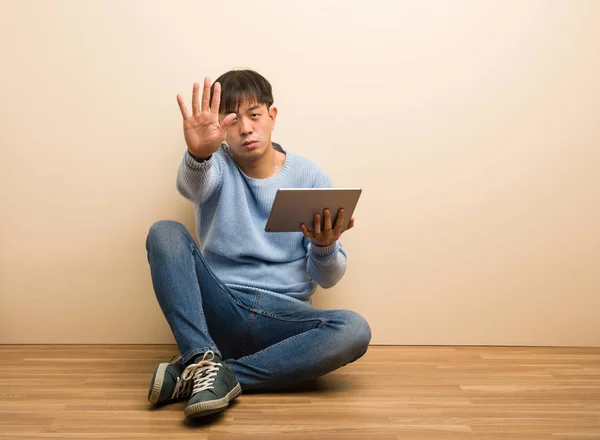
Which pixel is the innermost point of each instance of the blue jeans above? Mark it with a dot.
(269, 341)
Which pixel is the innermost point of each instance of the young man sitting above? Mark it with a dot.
(239, 305)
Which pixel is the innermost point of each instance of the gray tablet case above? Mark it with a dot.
(294, 206)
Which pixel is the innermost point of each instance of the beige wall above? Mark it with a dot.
(473, 128)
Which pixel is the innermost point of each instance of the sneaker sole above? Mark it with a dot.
(157, 380)
(202, 409)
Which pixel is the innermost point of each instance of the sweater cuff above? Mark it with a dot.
(193, 163)
(325, 251)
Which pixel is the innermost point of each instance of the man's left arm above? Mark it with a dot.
(326, 258)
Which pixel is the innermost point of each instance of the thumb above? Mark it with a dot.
(226, 123)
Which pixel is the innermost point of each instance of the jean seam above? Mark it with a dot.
(199, 296)
(217, 281)
(213, 347)
(250, 322)
(274, 345)
(272, 315)
(280, 318)
(190, 354)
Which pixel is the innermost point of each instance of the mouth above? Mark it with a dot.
(250, 144)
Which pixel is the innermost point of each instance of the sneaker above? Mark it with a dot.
(167, 384)
(215, 385)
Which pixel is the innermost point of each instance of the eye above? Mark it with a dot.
(255, 115)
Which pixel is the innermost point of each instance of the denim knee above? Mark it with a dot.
(359, 332)
(355, 335)
(166, 234)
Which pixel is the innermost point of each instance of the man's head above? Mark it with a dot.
(247, 94)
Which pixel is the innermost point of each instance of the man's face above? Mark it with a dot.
(249, 137)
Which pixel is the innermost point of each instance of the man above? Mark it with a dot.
(239, 305)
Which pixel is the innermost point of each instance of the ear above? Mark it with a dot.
(273, 116)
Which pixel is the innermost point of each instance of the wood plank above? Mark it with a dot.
(425, 393)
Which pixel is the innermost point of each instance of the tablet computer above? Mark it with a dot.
(294, 206)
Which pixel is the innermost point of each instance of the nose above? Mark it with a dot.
(245, 126)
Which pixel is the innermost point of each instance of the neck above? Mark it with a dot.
(263, 167)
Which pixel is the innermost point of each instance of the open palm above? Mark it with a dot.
(202, 130)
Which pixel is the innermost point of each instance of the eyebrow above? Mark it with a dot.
(254, 107)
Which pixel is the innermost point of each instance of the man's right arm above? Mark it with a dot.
(200, 172)
(197, 179)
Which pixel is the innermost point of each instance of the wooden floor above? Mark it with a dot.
(99, 392)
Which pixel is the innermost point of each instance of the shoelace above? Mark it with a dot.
(202, 375)
(182, 388)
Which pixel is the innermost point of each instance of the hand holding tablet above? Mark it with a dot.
(326, 232)
(294, 207)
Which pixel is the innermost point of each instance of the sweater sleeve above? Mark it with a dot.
(197, 181)
(326, 265)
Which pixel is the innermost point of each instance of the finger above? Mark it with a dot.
(327, 220)
(339, 222)
(195, 105)
(226, 123)
(350, 223)
(205, 95)
(182, 107)
(305, 230)
(317, 226)
(216, 101)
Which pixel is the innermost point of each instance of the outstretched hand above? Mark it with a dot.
(328, 234)
(202, 131)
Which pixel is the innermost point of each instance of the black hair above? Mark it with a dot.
(238, 86)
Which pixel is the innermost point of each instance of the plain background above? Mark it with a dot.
(473, 128)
